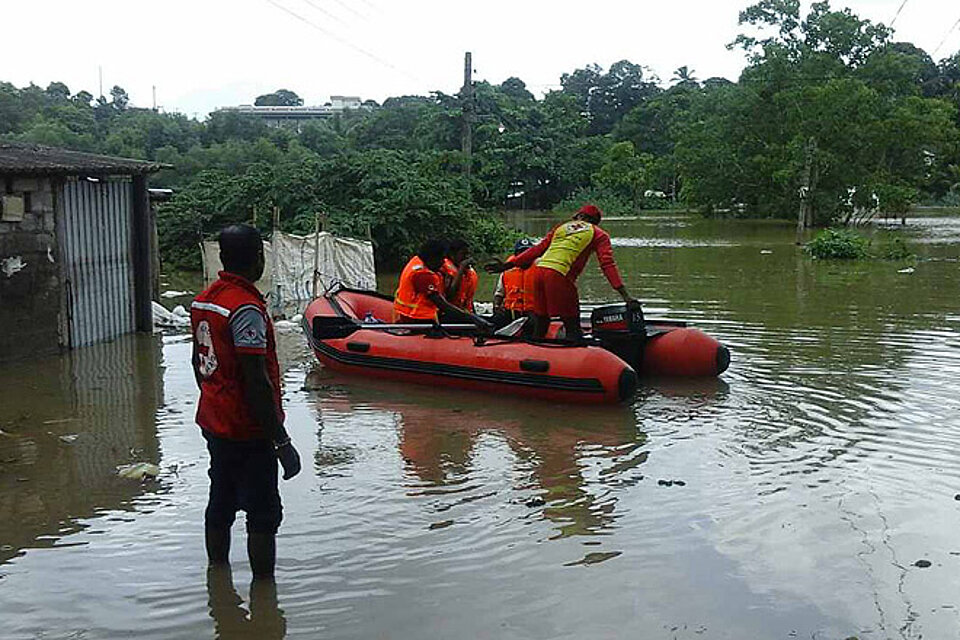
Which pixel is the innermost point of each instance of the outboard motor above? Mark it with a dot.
(621, 331)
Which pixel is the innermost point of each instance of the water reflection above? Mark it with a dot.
(66, 423)
(565, 460)
(262, 620)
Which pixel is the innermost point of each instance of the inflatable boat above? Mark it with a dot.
(350, 332)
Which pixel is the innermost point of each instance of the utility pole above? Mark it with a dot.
(100, 74)
(810, 177)
(467, 106)
(154, 98)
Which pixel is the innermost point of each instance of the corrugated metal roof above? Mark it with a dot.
(33, 159)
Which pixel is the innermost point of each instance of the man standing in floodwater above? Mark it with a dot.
(240, 412)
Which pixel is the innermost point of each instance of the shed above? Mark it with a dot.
(75, 248)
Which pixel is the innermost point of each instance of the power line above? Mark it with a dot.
(350, 9)
(902, 5)
(947, 35)
(341, 40)
(325, 12)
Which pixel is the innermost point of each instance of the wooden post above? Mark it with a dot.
(805, 215)
(142, 264)
(467, 106)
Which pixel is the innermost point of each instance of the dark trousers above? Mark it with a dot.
(243, 477)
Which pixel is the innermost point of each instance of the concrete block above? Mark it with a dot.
(26, 184)
(43, 241)
(41, 201)
(30, 224)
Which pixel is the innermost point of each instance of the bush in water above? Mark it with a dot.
(838, 244)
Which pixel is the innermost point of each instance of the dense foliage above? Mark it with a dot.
(829, 106)
(838, 244)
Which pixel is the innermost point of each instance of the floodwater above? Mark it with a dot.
(808, 493)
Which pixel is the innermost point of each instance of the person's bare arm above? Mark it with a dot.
(259, 393)
(456, 312)
(195, 364)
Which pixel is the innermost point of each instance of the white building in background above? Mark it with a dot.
(345, 102)
(294, 117)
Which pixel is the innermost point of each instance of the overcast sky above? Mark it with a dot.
(203, 54)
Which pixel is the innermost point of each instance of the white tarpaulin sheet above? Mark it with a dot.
(287, 280)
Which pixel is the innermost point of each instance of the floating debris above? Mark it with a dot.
(536, 501)
(440, 525)
(923, 564)
(907, 270)
(594, 558)
(138, 471)
(175, 294)
(70, 438)
(765, 252)
(59, 421)
(164, 318)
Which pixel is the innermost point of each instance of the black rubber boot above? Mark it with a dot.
(262, 551)
(267, 621)
(218, 545)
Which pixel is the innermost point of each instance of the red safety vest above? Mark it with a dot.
(223, 410)
(407, 302)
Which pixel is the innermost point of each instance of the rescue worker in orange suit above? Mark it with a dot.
(559, 258)
(513, 297)
(459, 277)
(419, 297)
(240, 413)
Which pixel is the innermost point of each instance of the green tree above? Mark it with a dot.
(625, 174)
(279, 98)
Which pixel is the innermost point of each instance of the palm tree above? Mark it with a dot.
(684, 74)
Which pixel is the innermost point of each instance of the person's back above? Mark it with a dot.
(559, 259)
(412, 302)
(215, 313)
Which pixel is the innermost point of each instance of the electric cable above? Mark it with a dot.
(325, 12)
(897, 15)
(947, 35)
(342, 41)
(350, 9)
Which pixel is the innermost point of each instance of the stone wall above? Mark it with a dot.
(30, 295)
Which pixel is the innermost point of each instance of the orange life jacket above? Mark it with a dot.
(468, 285)
(514, 291)
(468, 289)
(407, 302)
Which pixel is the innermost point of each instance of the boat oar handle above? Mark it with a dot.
(336, 327)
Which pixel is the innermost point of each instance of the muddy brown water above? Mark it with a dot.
(793, 497)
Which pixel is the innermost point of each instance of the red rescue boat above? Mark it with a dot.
(549, 369)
